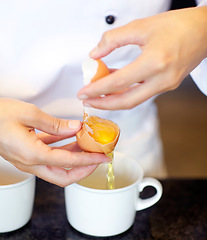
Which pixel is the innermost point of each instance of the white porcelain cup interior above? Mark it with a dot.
(96, 211)
(17, 192)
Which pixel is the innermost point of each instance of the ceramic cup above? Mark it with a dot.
(96, 211)
(17, 191)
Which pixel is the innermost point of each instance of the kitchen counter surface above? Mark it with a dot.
(180, 214)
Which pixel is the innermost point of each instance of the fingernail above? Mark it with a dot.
(74, 124)
(93, 52)
(83, 97)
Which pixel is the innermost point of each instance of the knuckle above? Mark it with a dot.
(32, 110)
(34, 157)
(160, 62)
(173, 84)
(28, 160)
(24, 162)
(106, 37)
(109, 39)
(56, 125)
(19, 166)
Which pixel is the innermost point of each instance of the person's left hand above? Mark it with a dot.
(172, 43)
(29, 152)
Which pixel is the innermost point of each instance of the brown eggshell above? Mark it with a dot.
(87, 143)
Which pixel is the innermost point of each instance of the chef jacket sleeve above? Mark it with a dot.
(199, 74)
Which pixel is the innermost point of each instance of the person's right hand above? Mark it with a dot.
(29, 152)
(172, 43)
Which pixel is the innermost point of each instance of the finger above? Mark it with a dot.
(116, 38)
(128, 99)
(67, 159)
(137, 71)
(48, 138)
(42, 154)
(51, 125)
(59, 176)
(34, 152)
(64, 177)
(72, 147)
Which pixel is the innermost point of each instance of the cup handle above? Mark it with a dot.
(145, 203)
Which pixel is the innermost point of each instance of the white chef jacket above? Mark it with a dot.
(42, 46)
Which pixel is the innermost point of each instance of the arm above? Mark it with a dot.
(199, 74)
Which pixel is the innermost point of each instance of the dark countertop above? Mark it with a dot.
(181, 214)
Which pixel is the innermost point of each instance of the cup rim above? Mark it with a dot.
(111, 191)
(29, 178)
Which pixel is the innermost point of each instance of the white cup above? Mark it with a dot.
(17, 191)
(96, 211)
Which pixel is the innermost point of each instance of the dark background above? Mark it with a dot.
(182, 3)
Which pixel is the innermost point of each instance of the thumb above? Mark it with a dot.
(55, 126)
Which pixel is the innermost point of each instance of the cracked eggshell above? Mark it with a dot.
(87, 143)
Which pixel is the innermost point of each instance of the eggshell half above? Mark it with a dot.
(87, 143)
(93, 70)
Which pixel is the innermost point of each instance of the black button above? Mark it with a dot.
(110, 19)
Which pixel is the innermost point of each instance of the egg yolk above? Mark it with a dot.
(103, 133)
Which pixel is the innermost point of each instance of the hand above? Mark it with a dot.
(29, 152)
(172, 43)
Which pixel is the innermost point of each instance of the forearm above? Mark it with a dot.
(203, 25)
(199, 74)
